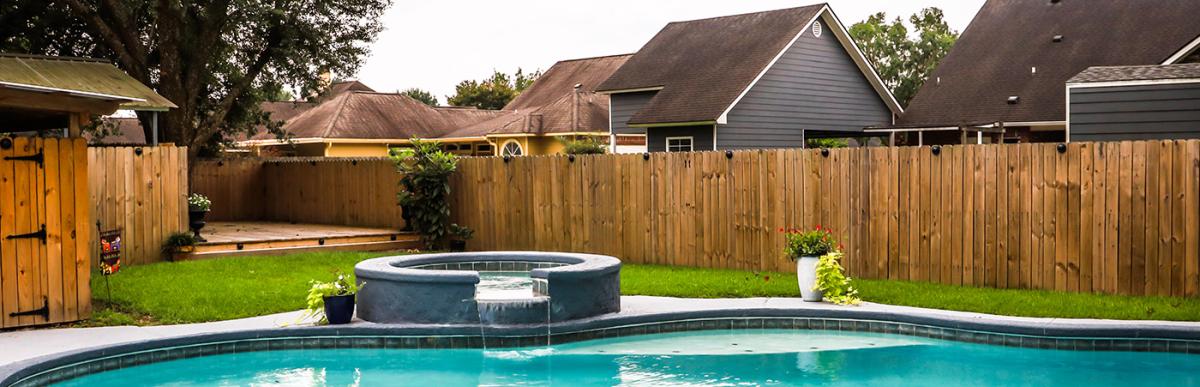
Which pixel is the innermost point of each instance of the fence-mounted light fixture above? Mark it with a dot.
(353, 162)
(571, 158)
(936, 149)
(645, 155)
(221, 163)
(5, 143)
(1061, 147)
(312, 163)
(507, 158)
(137, 151)
(729, 154)
(825, 152)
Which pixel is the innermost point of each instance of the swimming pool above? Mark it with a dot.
(724, 357)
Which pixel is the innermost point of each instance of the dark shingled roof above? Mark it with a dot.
(1137, 73)
(703, 65)
(367, 115)
(994, 56)
(549, 105)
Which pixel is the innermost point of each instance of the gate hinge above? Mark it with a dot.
(39, 234)
(38, 158)
(44, 311)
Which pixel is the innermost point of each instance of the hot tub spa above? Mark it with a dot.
(488, 288)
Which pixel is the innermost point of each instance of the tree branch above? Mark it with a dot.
(127, 58)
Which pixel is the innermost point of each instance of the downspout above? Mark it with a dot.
(154, 129)
(575, 109)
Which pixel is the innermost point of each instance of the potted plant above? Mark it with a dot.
(332, 301)
(179, 246)
(806, 248)
(198, 206)
(461, 234)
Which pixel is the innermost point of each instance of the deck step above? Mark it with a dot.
(379, 242)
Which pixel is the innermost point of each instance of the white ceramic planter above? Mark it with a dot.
(806, 275)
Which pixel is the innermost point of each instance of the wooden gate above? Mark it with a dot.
(44, 231)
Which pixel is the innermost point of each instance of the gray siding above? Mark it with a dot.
(702, 140)
(815, 85)
(1142, 112)
(624, 106)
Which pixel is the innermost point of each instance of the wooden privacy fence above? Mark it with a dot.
(142, 191)
(44, 231)
(1103, 217)
(341, 191)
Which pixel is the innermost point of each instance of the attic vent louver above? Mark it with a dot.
(1012, 99)
(1057, 39)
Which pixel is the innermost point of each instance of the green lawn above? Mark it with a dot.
(221, 289)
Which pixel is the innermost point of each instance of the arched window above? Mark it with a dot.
(511, 148)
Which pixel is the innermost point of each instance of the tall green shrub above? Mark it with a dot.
(424, 188)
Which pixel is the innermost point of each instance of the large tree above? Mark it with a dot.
(421, 95)
(215, 59)
(904, 60)
(492, 93)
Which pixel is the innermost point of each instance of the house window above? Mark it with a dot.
(679, 144)
(483, 150)
(511, 148)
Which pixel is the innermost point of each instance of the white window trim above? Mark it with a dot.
(505, 144)
(691, 143)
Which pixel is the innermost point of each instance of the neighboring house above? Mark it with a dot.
(1134, 103)
(561, 104)
(361, 123)
(759, 80)
(1004, 80)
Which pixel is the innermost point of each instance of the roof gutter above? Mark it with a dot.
(671, 124)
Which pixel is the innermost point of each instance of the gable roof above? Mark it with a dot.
(368, 115)
(1136, 73)
(81, 77)
(550, 105)
(994, 57)
(702, 67)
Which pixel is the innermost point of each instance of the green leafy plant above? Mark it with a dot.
(198, 202)
(812, 243)
(344, 285)
(832, 280)
(424, 187)
(827, 143)
(583, 146)
(462, 232)
(178, 242)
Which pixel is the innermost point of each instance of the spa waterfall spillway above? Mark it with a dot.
(489, 288)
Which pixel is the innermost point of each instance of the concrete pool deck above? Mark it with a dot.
(24, 345)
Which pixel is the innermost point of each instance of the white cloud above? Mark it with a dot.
(435, 44)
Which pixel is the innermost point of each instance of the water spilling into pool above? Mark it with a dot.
(738, 357)
(504, 285)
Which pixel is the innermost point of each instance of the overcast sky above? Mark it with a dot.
(435, 44)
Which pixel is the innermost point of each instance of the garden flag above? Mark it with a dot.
(110, 251)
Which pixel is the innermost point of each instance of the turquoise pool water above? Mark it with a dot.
(752, 357)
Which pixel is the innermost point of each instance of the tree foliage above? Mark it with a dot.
(421, 95)
(904, 60)
(492, 93)
(215, 59)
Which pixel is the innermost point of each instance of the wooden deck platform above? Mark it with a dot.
(267, 238)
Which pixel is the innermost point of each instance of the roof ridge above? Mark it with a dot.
(51, 57)
(341, 105)
(593, 58)
(817, 5)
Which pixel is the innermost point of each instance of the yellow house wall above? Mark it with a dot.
(356, 150)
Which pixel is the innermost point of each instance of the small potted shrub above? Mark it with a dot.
(179, 245)
(333, 301)
(461, 234)
(198, 206)
(806, 248)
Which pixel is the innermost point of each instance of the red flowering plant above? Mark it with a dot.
(811, 243)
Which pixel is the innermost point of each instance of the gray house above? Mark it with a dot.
(759, 80)
(1134, 103)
